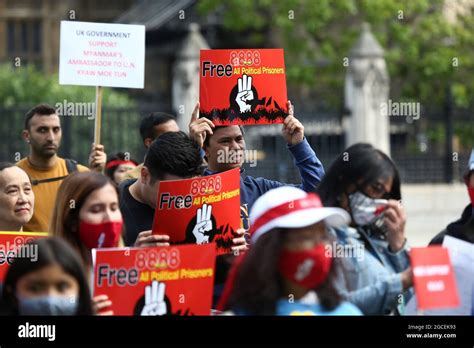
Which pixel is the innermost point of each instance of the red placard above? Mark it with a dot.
(10, 242)
(433, 277)
(243, 86)
(200, 210)
(174, 280)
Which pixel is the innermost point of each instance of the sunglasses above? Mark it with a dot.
(375, 190)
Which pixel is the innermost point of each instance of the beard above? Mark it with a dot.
(43, 151)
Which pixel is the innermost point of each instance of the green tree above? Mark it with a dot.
(21, 88)
(423, 51)
(26, 86)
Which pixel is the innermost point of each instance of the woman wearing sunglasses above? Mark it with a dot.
(365, 182)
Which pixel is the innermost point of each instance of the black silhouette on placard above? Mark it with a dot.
(202, 229)
(244, 104)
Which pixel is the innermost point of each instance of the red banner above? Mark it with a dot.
(200, 210)
(433, 277)
(10, 242)
(175, 280)
(243, 86)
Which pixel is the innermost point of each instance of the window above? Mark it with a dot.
(37, 36)
(24, 38)
(21, 4)
(10, 37)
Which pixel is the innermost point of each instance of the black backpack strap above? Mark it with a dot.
(71, 167)
(35, 182)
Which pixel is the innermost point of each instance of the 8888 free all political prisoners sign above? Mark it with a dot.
(243, 87)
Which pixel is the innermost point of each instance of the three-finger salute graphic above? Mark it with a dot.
(155, 299)
(244, 93)
(242, 87)
(203, 224)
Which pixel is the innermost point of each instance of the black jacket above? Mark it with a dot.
(462, 229)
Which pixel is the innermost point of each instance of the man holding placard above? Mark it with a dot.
(240, 88)
(229, 140)
(45, 168)
(246, 88)
(171, 156)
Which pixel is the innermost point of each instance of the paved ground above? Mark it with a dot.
(430, 208)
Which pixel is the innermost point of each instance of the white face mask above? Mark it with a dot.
(365, 210)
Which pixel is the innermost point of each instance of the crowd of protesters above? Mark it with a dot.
(282, 267)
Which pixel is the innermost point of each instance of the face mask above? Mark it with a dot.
(307, 268)
(365, 210)
(48, 305)
(104, 235)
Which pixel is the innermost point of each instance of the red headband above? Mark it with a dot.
(310, 201)
(116, 163)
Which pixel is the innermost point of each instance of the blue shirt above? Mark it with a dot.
(310, 168)
(370, 276)
(311, 172)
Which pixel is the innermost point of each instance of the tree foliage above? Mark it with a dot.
(424, 52)
(26, 86)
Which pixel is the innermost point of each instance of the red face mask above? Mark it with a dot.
(307, 268)
(104, 235)
(470, 191)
